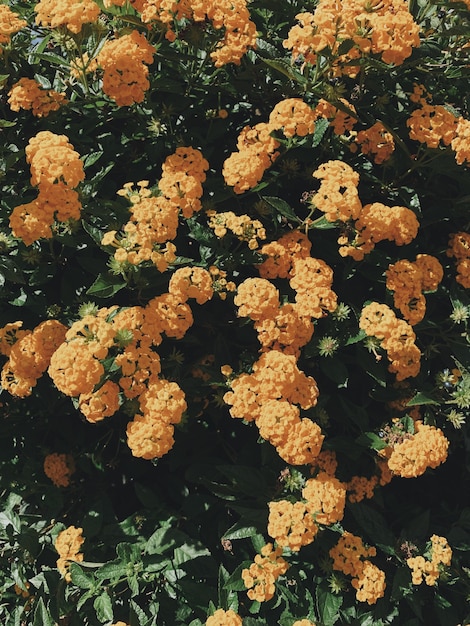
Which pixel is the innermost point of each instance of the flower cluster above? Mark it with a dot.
(125, 73)
(231, 18)
(294, 117)
(325, 497)
(426, 448)
(459, 248)
(386, 29)
(56, 169)
(281, 254)
(408, 280)
(29, 357)
(397, 338)
(337, 196)
(182, 176)
(432, 124)
(430, 569)
(342, 118)
(290, 524)
(224, 618)
(10, 24)
(68, 544)
(28, 94)
(261, 576)
(461, 142)
(350, 556)
(242, 226)
(72, 14)
(376, 142)
(191, 282)
(59, 468)
(220, 284)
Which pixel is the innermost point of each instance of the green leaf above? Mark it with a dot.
(328, 605)
(240, 531)
(234, 581)
(42, 616)
(103, 608)
(112, 571)
(137, 615)
(372, 441)
(421, 398)
(281, 207)
(321, 126)
(79, 577)
(105, 286)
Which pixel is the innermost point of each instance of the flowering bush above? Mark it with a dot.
(234, 321)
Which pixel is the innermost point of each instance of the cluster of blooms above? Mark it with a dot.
(261, 576)
(59, 468)
(360, 487)
(29, 354)
(378, 222)
(231, 17)
(72, 14)
(431, 124)
(459, 248)
(350, 556)
(242, 226)
(408, 280)
(386, 29)
(10, 24)
(397, 338)
(376, 142)
(182, 176)
(220, 284)
(68, 544)
(441, 554)
(411, 457)
(56, 169)
(461, 142)
(342, 120)
(325, 497)
(281, 254)
(27, 94)
(224, 618)
(290, 524)
(77, 370)
(294, 117)
(337, 196)
(257, 150)
(125, 73)
(268, 396)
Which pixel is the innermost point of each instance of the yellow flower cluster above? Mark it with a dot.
(69, 13)
(303, 622)
(261, 576)
(220, 284)
(376, 142)
(408, 280)
(183, 173)
(230, 17)
(326, 498)
(461, 142)
(9, 335)
(257, 150)
(459, 248)
(427, 448)
(29, 356)
(294, 117)
(441, 554)
(360, 487)
(337, 196)
(242, 226)
(397, 338)
(68, 544)
(56, 169)
(386, 29)
(350, 556)
(224, 618)
(281, 254)
(59, 468)
(191, 282)
(311, 279)
(125, 73)
(340, 120)
(432, 124)
(10, 24)
(27, 94)
(268, 396)
(290, 524)
(378, 222)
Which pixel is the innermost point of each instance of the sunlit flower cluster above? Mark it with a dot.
(397, 338)
(342, 120)
(29, 357)
(408, 280)
(183, 173)
(59, 468)
(426, 448)
(125, 73)
(242, 226)
(191, 282)
(376, 142)
(350, 556)
(325, 498)
(10, 24)
(281, 254)
(68, 545)
(261, 576)
(72, 14)
(294, 117)
(291, 525)
(386, 29)
(56, 169)
(337, 196)
(461, 142)
(459, 248)
(432, 124)
(27, 94)
(224, 618)
(440, 554)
